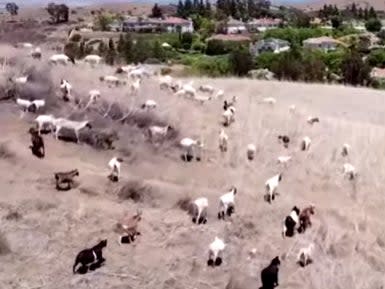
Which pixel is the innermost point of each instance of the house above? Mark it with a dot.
(115, 26)
(168, 24)
(269, 45)
(230, 37)
(325, 43)
(378, 73)
(234, 26)
(263, 24)
(173, 24)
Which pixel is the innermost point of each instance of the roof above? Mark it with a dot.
(265, 21)
(234, 22)
(176, 21)
(320, 40)
(230, 37)
(377, 72)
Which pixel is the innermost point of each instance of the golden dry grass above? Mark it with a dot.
(348, 231)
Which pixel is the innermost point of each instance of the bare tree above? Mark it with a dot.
(12, 8)
(59, 12)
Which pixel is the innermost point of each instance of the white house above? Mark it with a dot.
(269, 45)
(325, 43)
(263, 24)
(234, 26)
(172, 24)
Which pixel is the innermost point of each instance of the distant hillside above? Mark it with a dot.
(377, 4)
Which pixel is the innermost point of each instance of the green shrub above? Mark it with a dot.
(373, 25)
(215, 47)
(240, 62)
(376, 58)
(198, 46)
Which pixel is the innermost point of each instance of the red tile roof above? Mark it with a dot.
(175, 20)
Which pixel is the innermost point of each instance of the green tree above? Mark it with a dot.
(120, 46)
(111, 53)
(336, 22)
(102, 48)
(128, 49)
(354, 70)
(241, 62)
(103, 21)
(12, 8)
(186, 40)
(156, 11)
(373, 25)
(157, 51)
(376, 58)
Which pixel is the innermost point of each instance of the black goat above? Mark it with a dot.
(90, 258)
(269, 275)
(37, 146)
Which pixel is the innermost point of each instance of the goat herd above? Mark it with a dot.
(92, 258)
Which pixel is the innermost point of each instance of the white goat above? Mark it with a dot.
(149, 104)
(215, 252)
(305, 255)
(31, 106)
(44, 120)
(223, 141)
(111, 80)
(228, 116)
(206, 88)
(20, 79)
(114, 165)
(165, 81)
(220, 94)
(156, 132)
(251, 151)
(284, 159)
(188, 145)
(76, 126)
(345, 150)
(65, 88)
(227, 203)
(93, 59)
(271, 186)
(199, 211)
(135, 86)
(25, 45)
(269, 100)
(190, 91)
(349, 171)
(305, 144)
(61, 58)
(202, 98)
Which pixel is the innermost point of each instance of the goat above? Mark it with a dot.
(61, 58)
(188, 145)
(65, 88)
(111, 80)
(189, 90)
(135, 86)
(215, 252)
(305, 144)
(20, 79)
(290, 223)
(37, 146)
(312, 120)
(220, 93)
(62, 178)
(251, 151)
(202, 98)
(91, 258)
(36, 53)
(271, 186)
(165, 81)
(305, 218)
(128, 227)
(92, 59)
(305, 255)
(228, 116)
(227, 104)
(345, 150)
(292, 108)
(206, 88)
(76, 126)
(269, 100)
(125, 69)
(30, 106)
(24, 45)
(199, 211)
(157, 132)
(349, 171)
(284, 159)
(114, 165)
(223, 141)
(269, 275)
(285, 139)
(227, 203)
(149, 104)
(43, 120)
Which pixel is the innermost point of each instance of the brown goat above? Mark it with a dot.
(65, 178)
(304, 218)
(128, 227)
(37, 146)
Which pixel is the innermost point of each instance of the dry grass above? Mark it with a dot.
(5, 152)
(347, 231)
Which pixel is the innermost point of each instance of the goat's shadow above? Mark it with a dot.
(189, 158)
